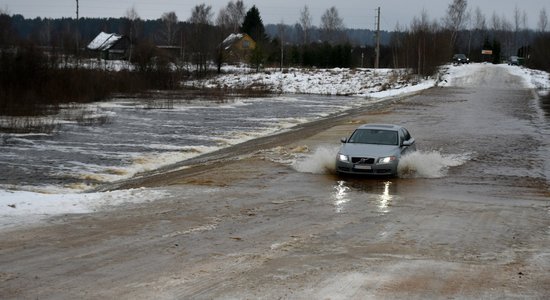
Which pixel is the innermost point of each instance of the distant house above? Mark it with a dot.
(238, 47)
(110, 45)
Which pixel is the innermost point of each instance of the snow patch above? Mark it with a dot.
(19, 208)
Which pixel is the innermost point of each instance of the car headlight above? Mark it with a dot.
(386, 160)
(342, 157)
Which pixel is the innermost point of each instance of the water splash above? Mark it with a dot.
(419, 164)
(432, 164)
(321, 161)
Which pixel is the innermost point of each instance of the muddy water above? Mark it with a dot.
(468, 219)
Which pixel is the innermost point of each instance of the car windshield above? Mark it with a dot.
(374, 136)
(460, 56)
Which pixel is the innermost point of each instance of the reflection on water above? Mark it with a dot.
(340, 195)
(377, 194)
(385, 198)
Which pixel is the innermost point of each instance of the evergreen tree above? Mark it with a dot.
(254, 26)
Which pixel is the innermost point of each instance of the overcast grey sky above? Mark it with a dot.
(355, 13)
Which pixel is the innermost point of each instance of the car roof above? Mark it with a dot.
(380, 126)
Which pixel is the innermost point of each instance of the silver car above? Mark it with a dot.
(374, 149)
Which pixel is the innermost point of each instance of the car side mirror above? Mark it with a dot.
(407, 143)
(344, 140)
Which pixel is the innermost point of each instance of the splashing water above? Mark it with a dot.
(321, 161)
(419, 164)
(431, 164)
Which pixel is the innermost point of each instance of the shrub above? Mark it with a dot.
(32, 83)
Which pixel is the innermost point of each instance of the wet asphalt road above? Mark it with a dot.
(251, 226)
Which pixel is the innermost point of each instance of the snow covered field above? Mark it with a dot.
(22, 207)
(375, 83)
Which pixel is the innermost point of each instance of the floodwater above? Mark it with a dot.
(467, 218)
(138, 135)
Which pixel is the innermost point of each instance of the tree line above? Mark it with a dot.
(32, 50)
(422, 45)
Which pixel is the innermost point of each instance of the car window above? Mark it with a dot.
(374, 136)
(407, 134)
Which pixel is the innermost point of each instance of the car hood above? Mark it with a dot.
(369, 150)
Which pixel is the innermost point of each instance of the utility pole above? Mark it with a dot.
(282, 54)
(281, 28)
(377, 61)
(77, 35)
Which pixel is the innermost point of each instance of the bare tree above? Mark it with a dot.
(132, 20)
(543, 21)
(331, 25)
(469, 20)
(222, 20)
(525, 36)
(495, 22)
(201, 14)
(305, 22)
(170, 23)
(396, 44)
(420, 28)
(237, 11)
(454, 20)
(231, 17)
(505, 35)
(480, 23)
(517, 26)
(201, 19)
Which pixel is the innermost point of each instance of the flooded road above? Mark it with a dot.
(470, 217)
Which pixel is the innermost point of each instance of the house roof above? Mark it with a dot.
(231, 39)
(104, 41)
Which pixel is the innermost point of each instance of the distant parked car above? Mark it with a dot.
(374, 149)
(460, 59)
(514, 61)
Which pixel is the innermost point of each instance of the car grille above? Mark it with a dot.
(362, 160)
